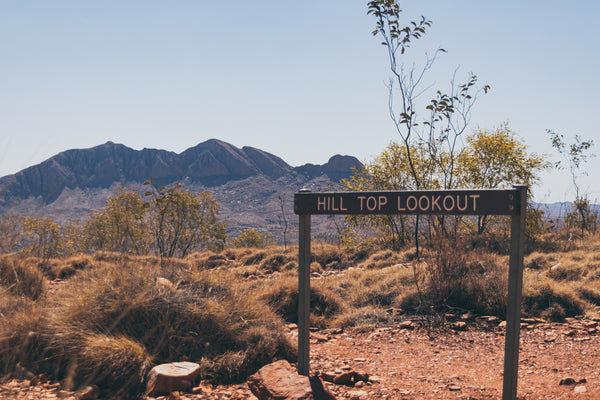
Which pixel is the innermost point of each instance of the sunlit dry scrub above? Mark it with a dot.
(109, 324)
(107, 318)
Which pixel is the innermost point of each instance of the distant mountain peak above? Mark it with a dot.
(210, 163)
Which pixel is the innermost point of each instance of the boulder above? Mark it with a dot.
(278, 381)
(167, 378)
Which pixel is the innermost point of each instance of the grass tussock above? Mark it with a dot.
(550, 299)
(282, 298)
(21, 277)
(110, 324)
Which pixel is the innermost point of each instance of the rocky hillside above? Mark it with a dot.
(249, 183)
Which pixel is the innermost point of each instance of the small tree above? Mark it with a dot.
(575, 154)
(120, 226)
(390, 170)
(437, 125)
(253, 238)
(10, 233)
(41, 237)
(282, 218)
(497, 159)
(182, 222)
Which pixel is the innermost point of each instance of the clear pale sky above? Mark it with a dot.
(303, 80)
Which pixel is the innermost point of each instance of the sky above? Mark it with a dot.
(303, 80)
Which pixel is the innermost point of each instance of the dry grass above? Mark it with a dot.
(21, 278)
(110, 323)
(114, 318)
(282, 298)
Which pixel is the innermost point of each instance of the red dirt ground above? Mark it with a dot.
(418, 363)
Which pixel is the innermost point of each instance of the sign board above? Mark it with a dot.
(423, 202)
(454, 202)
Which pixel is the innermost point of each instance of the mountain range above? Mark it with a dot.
(251, 185)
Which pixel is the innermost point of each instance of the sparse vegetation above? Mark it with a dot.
(116, 315)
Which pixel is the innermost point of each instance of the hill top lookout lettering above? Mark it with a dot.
(466, 202)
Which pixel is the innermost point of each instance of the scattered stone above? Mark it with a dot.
(451, 317)
(589, 324)
(203, 388)
(172, 377)
(466, 316)
(406, 325)
(459, 326)
(357, 394)
(88, 393)
(347, 378)
(567, 381)
(327, 376)
(319, 337)
(580, 389)
(502, 325)
(361, 377)
(529, 320)
(278, 381)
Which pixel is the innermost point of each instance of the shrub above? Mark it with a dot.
(277, 261)
(362, 318)
(550, 299)
(109, 323)
(282, 297)
(253, 238)
(21, 278)
(473, 281)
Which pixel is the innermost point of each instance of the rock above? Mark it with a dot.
(361, 377)
(406, 325)
(278, 381)
(203, 388)
(459, 326)
(167, 378)
(327, 376)
(451, 317)
(567, 381)
(319, 337)
(454, 388)
(357, 395)
(466, 316)
(88, 393)
(589, 324)
(347, 378)
(580, 389)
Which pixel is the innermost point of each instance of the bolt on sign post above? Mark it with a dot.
(511, 202)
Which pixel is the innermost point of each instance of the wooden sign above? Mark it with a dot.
(511, 202)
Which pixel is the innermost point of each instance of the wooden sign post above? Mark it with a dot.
(511, 202)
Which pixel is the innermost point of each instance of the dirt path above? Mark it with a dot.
(415, 363)
(466, 365)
